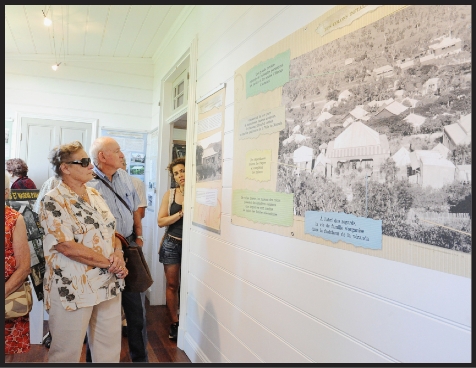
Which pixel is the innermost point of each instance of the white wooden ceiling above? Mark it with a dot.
(112, 31)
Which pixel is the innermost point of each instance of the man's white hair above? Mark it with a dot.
(96, 147)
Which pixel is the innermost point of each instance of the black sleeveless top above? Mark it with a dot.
(177, 227)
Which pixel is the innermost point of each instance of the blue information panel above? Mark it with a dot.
(335, 226)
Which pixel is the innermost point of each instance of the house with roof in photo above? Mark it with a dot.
(320, 165)
(335, 121)
(446, 46)
(210, 156)
(416, 121)
(323, 117)
(302, 158)
(393, 109)
(444, 151)
(403, 163)
(344, 95)
(427, 57)
(296, 129)
(329, 105)
(358, 113)
(383, 71)
(405, 63)
(378, 105)
(295, 137)
(458, 133)
(431, 86)
(358, 146)
(430, 169)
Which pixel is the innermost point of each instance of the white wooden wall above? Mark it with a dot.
(118, 94)
(258, 297)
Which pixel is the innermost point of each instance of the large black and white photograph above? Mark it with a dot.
(378, 125)
(209, 163)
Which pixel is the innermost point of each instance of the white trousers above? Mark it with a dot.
(68, 329)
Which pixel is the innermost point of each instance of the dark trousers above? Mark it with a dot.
(134, 309)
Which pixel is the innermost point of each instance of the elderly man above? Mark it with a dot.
(114, 183)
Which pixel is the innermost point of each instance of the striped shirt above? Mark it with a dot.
(122, 184)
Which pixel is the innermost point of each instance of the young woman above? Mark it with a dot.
(170, 253)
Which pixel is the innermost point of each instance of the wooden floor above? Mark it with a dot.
(160, 347)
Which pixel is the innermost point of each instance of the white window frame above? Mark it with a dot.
(182, 78)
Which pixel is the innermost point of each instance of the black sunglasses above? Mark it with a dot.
(84, 162)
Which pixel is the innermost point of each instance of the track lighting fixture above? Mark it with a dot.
(55, 66)
(46, 21)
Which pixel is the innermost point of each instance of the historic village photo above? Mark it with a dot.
(209, 153)
(378, 124)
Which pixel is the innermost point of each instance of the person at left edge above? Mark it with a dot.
(108, 160)
(17, 268)
(85, 267)
(18, 169)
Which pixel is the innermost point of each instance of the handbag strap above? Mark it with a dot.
(118, 196)
(123, 240)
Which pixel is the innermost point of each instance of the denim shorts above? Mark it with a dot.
(171, 250)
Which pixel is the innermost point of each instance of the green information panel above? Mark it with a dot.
(264, 206)
(268, 75)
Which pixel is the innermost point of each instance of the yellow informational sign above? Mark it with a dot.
(258, 165)
(208, 186)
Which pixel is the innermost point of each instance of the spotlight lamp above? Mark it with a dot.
(46, 21)
(55, 66)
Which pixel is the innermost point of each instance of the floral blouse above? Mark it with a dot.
(65, 217)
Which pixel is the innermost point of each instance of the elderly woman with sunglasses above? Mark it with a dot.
(85, 268)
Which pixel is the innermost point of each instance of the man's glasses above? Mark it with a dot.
(84, 162)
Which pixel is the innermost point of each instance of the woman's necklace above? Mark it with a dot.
(180, 190)
(84, 196)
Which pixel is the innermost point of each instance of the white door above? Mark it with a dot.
(40, 136)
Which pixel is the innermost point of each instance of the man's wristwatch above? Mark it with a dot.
(140, 237)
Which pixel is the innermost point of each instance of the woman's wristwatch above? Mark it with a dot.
(140, 237)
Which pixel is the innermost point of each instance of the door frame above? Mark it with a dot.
(166, 120)
(74, 119)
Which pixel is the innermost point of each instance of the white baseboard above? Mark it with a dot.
(193, 351)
